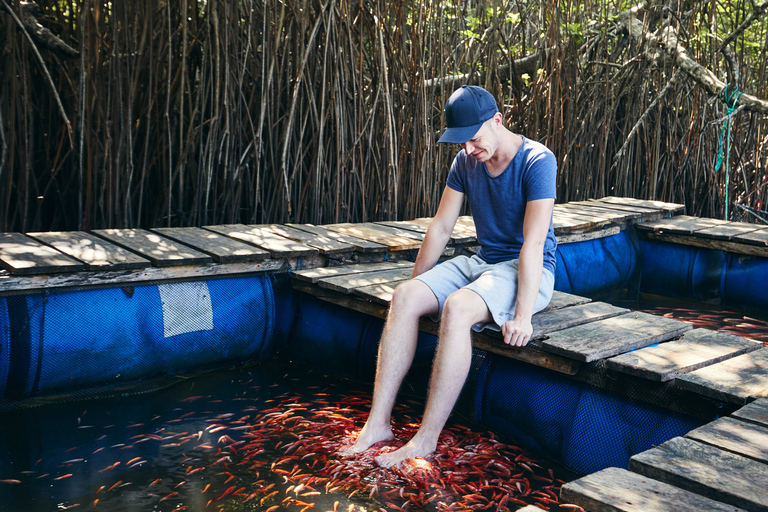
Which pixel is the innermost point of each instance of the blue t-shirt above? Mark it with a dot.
(498, 204)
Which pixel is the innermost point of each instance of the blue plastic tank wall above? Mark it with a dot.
(675, 270)
(5, 344)
(744, 283)
(85, 338)
(595, 266)
(585, 428)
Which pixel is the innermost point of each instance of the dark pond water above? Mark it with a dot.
(261, 438)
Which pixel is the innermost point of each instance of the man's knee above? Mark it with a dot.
(413, 298)
(464, 308)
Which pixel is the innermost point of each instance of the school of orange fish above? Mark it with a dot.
(286, 457)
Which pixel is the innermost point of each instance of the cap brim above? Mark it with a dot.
(459, 134)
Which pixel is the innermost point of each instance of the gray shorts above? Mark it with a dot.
(495, 283)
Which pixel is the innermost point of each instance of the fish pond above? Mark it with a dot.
(256, 438)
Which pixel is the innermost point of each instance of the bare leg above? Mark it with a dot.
(463, 309)
(411, 300)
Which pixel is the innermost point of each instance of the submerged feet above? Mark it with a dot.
(410, 450)
(368, 437)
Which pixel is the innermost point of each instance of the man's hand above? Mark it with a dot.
(517, 332)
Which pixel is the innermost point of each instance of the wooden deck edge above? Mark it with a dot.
(707, 243)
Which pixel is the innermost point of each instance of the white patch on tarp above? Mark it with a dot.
(186, 307)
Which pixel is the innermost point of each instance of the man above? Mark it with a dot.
(509, 182)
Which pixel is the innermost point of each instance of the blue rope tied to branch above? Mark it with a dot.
(730, 102)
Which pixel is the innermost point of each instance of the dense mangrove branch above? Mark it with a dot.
(196, 112)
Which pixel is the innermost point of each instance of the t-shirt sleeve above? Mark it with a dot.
(456, 175)
(541, 177)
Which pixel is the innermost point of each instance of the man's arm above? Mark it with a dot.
(538, 214)
(439, 231)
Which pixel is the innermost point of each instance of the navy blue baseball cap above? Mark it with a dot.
(465, 112)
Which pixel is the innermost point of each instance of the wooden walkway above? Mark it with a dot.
(358, 266)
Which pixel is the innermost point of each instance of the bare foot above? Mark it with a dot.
(410, 450)
(368, 437)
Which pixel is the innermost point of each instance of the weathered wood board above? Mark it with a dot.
(728, 231)
(619, 490)
(696, 349)
(548, 321)
(359, 244)
(161, 251)
(646, 214)
(395, 239)
(565, 222)
(22, 255)
(278, 246)
(222, 249)
(708, 471)
(681, 225)
(734, 380)
(95, 252)
(422, 224)
(588, 235)
(735, 436)
(671, 208)
(466, 224)
(323, 243)
(758, 237)
(564, 300)
(756, 412)
(315, 274)
(616, 216)
(613, 336)
(380, 293)
(349, 282)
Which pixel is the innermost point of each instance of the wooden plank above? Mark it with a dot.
(360, 245)
(735, 380)
(671, 208)
(719, 245)
(564, 300)
(15, 285)
(727, 231)
(323, 243)
(619, 490)
(380, 293)
(466, 224)
(617, 216)
(597, 219)
(646, 214)
(756, 412)
(161, 251)
(549, 321)
(278, 246)
(95, 252)
(613, 336)
(758, 237)
(708, 471)
(315, 274)
(589, 235)
(221, 248)
(22, 255)
(421, 225)
(696, 349)
(681, 225)
(395, 239)
(564, 223)
(735, 436)
(347, 283)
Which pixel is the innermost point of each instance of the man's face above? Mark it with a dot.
(484, 144)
